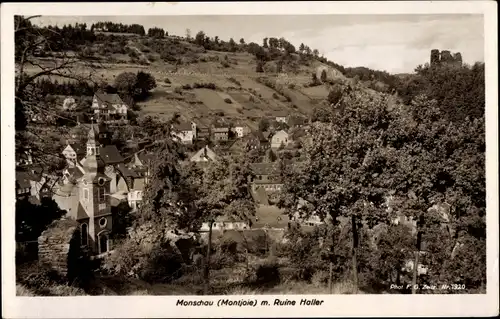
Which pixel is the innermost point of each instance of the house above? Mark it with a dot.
(257, 140)
(220, 133)
(240, 129)
(109, 108)
(202, 132)
(280, 138)
(185, 132)
(73, 154)
(24, 158)
(134, 196)
(141, 164)
(69, 104)
(266, 177)
(280, 116)
(226, 223)
(23, 184)
(297, 121)
(204, 155)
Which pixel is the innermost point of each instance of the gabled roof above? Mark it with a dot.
(267, 135)
(203, 155)
(75, 172)
(297, 120)
(79, 149)
(107, 99)
(126, 171)
(281, 132)
(81, 213)
(183, 126)
(280, 113)
(264, 168)
(258, 135)
(110, 155)
(220, 129)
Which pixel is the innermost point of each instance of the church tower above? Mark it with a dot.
(94, 212)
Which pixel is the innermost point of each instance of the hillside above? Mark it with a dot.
(182, 68)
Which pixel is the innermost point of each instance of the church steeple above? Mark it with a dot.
(92, 142)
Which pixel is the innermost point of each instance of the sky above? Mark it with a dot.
(394, 43)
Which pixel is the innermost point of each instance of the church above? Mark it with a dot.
(97, 183)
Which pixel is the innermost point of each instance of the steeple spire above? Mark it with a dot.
(92, 143)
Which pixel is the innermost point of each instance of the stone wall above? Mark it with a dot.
(54, 244)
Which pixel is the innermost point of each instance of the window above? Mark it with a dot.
(85, 234)
(86, 194)
(102, 194)
(103, 243)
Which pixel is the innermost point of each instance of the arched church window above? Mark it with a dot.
(103, 243)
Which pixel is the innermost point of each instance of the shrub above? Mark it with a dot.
(187, 87)
(228, 101)
(234, 81)
(291, 86)
(167, 80)
(320, 278)
(275, 96)
(178, 90)
(267, 273)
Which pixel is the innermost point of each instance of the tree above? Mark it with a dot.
(259, 67)
(368, 152)
(265, 45)
(33, 219)
(223, 190)
(264, 125)
(200, 38)
(188, 34)
(232, 45)
(315, 52)
(126, 82)
(270, 156)
(301, 48)
(242, 41)
(145, 82)
(122, 220)
(30, 40)
(323, 76)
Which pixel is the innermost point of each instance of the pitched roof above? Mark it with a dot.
(126, 171)
(264, 168)
(110, 154)
(280, 113)
(183, 126)
(75, 172)
(105, 98)
(281, 132)
(204, 154)
(259, 135)
(220, 129)
(297, 120)
(79, 149)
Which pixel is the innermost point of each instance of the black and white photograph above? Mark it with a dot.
(230, 161)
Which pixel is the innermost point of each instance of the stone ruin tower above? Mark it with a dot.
(445, 57)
